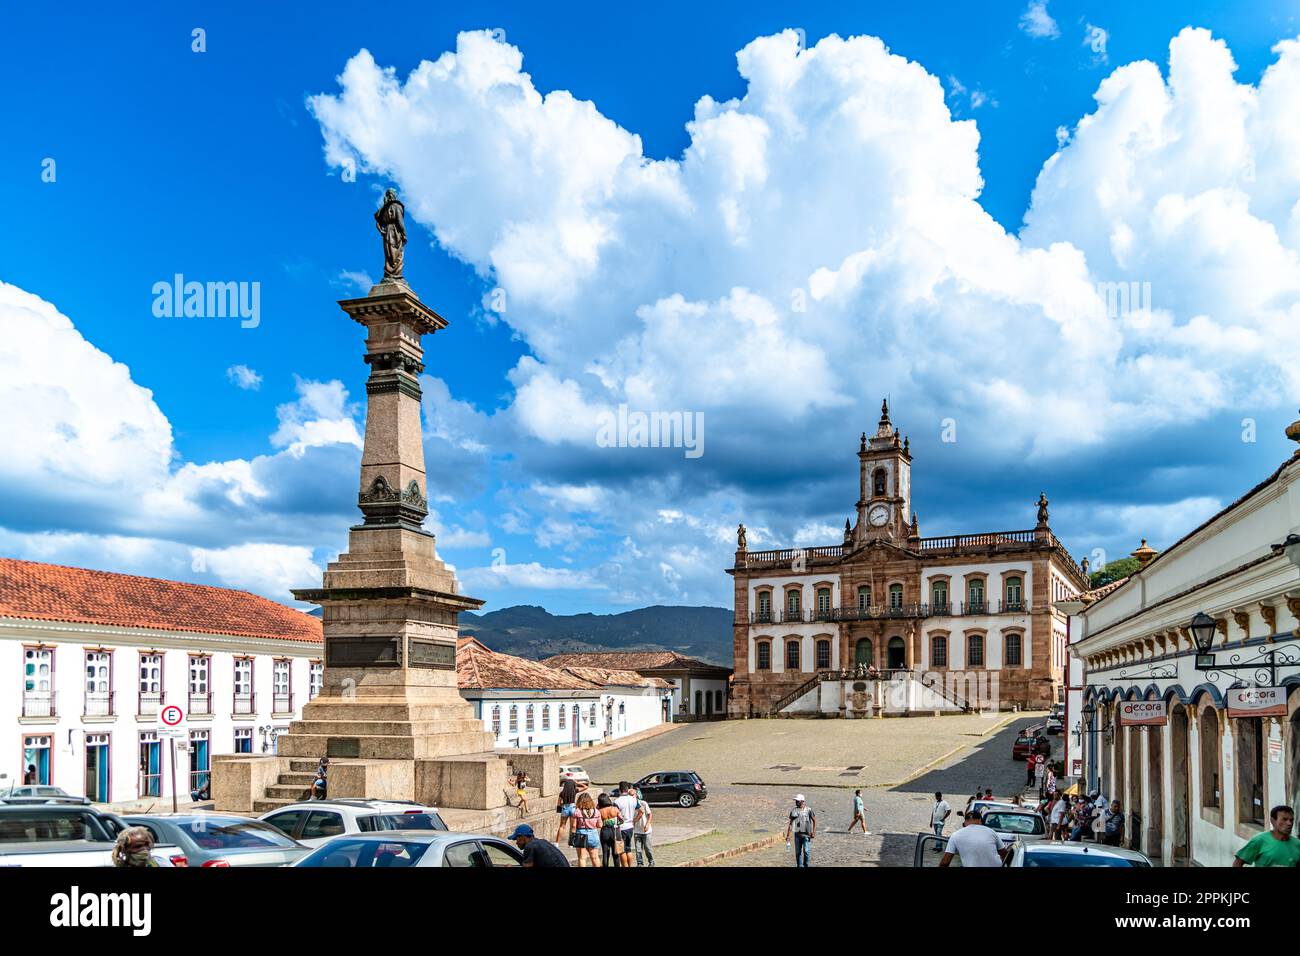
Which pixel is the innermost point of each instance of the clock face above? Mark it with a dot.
(878, 515)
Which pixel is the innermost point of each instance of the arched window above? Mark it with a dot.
(878, 483)
(863, 653)
(864, 597)
(764, 606)
(939, 597)
(528, 719)
(823, 655)
(896, 596)
(896, 651)
(792, 654)
(561, 713)
(1012, 653)
(546, 716)
(793, 607)
(514, 719)
(823, 603)
(939, 651)
(975, 595)
(496, 720)
(1014, 594)
(974, 650)
(764, 661)
(1211, 748)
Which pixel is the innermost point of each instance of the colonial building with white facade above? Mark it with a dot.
(527, 704)
(970, 611)
(699, 689)
(93, 656)
(1191, 698)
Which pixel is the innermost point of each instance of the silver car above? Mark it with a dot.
(1073, 854)
(219, 840)
(401, 848)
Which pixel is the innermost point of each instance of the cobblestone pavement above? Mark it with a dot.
(748, 799)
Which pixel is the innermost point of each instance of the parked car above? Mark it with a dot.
(982, 806)
(1055, 724)
(422, 848)
(1024, 747)
(575, 773)
(1019, 823)
(34, 793)
(62, 835)
(1046, 854)
(682, 787)
(215, 839)
(314, 822)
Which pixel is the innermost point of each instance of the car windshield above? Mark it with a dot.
(378, 822)
(31, 828)
(1030, 823)
(234, 834)
(1054, 859)
(363, 854)
(1024, 741)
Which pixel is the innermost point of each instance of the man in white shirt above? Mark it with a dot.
(626, 803)
(939, 815)
(974, 844)
(1056, 819)
(642, 829)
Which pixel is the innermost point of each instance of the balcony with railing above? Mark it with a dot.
(151, 703)
(943, 544)
(200, 704)
(39, 704)
(244, 704)
(885, 612)
(282, 704)
(99, 705)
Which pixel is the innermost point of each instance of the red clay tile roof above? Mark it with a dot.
(51, 592)
(632, 661)
(620, 678)
(480, 668)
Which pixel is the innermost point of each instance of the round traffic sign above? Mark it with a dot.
(171, 716)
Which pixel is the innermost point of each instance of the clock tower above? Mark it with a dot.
(884, 484)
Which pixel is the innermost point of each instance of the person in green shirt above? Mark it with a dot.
(1275, 848)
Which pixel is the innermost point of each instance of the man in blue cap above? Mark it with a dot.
(537, 852)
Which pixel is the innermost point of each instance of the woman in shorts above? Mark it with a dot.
(586, 820)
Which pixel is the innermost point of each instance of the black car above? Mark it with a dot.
(682, 787)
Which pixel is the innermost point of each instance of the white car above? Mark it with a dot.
(314, 822)
(575, 773)
(1019, 823)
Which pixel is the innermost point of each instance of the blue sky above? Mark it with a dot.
(212, 165)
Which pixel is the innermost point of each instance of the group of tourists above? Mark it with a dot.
(619, 826)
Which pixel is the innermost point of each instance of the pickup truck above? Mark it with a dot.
(61, 835)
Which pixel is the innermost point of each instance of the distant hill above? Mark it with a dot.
(535, 633)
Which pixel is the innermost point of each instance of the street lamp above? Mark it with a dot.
(1202, 627)
(1291, 547)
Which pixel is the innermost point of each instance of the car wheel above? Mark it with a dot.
(686, 800)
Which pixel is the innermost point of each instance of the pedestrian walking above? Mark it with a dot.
(974, 844)
(565, 805)
(626, 803)
(134, 848)
(1056, 818)
(939, 814)
(586, 839)
(803, 825)
(642, 830)
(521, 792)
(1277, 847)
(1049, 781)
(859, 814)
(609, 821)
(537, 852)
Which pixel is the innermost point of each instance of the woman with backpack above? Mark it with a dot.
(610, 819)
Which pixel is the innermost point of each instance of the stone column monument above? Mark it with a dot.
(390, 716)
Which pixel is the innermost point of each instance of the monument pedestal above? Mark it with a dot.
(389, 715)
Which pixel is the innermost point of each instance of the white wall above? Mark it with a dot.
(485, 700)
(69, 727)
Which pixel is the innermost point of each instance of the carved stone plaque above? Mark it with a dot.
(432, 654)
(363, 652)
(343, 747)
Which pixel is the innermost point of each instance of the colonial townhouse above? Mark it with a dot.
(94, 656)
(970, 611)
(1190, 711)
(698, 689)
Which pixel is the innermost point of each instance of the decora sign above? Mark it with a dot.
(1146, 712)
(1257, 702)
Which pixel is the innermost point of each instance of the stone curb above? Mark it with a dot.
(734, 851)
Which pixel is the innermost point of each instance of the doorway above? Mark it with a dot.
(150, 765)
(97, 765)
(897, 654)
(863, 653)
(1155, 787)
(1180, 791)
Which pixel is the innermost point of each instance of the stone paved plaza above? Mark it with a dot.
(749, 767)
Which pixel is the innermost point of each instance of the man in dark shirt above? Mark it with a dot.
(537, 852)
